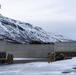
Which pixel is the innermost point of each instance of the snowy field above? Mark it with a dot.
(65, 67)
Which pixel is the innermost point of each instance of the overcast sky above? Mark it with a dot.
(56, 16)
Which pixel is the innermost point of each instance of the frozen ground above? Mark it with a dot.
(65, 67)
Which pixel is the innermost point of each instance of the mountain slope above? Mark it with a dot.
(20, 32)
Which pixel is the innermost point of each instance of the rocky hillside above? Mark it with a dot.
(15, 31)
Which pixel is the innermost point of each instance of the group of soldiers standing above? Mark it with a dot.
(52, 57)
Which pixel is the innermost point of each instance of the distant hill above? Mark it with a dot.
(15, 31)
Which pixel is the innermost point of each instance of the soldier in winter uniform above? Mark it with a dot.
(10, 58)
(50, 57)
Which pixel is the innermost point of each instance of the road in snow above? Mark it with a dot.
(65, 67)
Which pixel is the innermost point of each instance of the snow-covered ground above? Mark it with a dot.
(64, 67)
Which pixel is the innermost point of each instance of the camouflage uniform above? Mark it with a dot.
(62, 56)
(52, 57)
(10, 58)
(49, 57)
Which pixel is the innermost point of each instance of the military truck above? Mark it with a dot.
(6, 59)
(66, 54)
(2, 57)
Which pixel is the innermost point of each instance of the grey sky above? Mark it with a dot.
(57, 16)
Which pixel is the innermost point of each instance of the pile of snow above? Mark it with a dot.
(64, 67)
(20, 32)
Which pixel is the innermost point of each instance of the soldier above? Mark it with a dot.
(52, 57)
(11, 58)
(49, 57)
(8, 58)
(62, 56)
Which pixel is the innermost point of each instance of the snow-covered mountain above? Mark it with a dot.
(20, 32)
